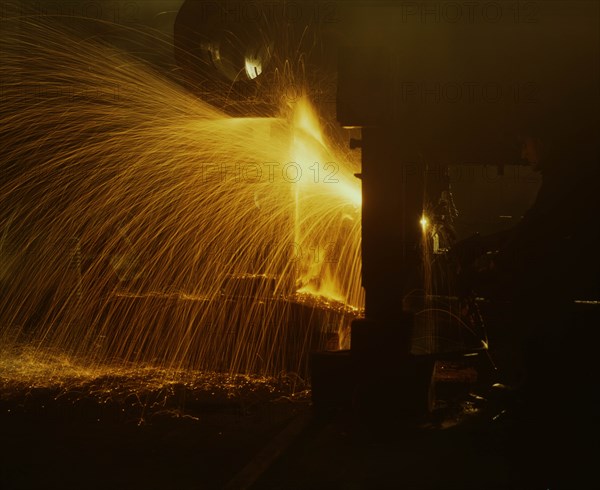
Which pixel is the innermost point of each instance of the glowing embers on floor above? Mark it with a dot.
(54, 385)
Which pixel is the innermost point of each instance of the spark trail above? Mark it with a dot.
(139, 224)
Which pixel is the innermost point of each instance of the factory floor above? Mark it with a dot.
(472, 440)
(478, 437)
(75, 439)
(490, 445)
(123, 434)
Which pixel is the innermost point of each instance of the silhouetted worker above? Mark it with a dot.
(549, 259)
(538, 266)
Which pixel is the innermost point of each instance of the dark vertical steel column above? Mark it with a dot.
(392, 179)
(392, 189)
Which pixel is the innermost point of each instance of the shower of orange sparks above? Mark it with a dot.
(129, 206)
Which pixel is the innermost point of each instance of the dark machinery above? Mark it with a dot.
(409, 124)
(429, 87)
(393, 195)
